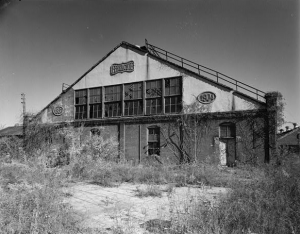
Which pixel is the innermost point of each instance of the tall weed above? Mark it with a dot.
(267, 204)
(31, 201)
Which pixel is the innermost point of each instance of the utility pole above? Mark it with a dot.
(24, 118)
(298, 137)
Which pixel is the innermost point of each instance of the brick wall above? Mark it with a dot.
(132, 145)
(202, 142)
(135, 138)
(247, 144)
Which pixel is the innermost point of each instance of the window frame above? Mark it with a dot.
(154, 93)
(93, 104)
(115, 102)
(150, 97)
(136, 100)
(78, 105)
(169, 96)
(230, 129)
(151, 141)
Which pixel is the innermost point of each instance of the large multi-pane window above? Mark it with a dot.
(81, 104)
(133, 97)
(113, 101)
(154, 140)
(153, 97)
(95, 103)
(172, 95)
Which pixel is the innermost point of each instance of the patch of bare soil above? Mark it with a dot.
(109, 208)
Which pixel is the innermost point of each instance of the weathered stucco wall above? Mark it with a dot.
(146, 68)
(66, 101)
(226, 99)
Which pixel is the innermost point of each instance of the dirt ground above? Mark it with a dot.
(107, 208)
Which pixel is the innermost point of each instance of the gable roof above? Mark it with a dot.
(210, 74)
(123, 43)
(152, 52)
(289, 137)
(12, 131)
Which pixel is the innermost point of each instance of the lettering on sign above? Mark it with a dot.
(206, 97)
(121, 67)
(58, 110)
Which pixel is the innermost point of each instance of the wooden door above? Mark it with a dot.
(227, 151)
(230, 152)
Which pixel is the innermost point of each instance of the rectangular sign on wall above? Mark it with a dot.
(121, 67)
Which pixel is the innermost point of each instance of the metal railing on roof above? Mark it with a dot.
(207, 72)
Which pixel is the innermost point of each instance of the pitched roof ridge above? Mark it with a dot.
(145, 49)
(284, 134)
(84, 74)
(163, 55)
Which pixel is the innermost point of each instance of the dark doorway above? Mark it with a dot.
(227, 144)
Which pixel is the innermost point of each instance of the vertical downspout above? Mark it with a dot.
(195, 138)
(140, 135)
(24, 119)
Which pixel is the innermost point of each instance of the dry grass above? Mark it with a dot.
(109, 173)
(268, 204)
(30, 201)
(150, 190)
(264, 199)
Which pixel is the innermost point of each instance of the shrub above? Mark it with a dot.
(31, 202)
(98, 147)
(151, 190)
(103, 174)
(33, 210)
(10, 148)
(58, 155)
(268, 204)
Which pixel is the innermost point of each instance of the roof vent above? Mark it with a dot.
(295, 125)
(281, 130)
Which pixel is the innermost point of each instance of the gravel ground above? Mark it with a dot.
(106, 208)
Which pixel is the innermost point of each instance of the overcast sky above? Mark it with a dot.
(44, 43)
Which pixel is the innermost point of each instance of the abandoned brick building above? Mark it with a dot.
(156, 102)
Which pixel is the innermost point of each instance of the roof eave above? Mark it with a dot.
(82, 76)
(206, 78)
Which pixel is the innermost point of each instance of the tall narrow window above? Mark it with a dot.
(113, 101)
(153, 140)
(227, 130)
(95, 103)
(172, 95)
(153, 97)
(81, 104)
(133, 96)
